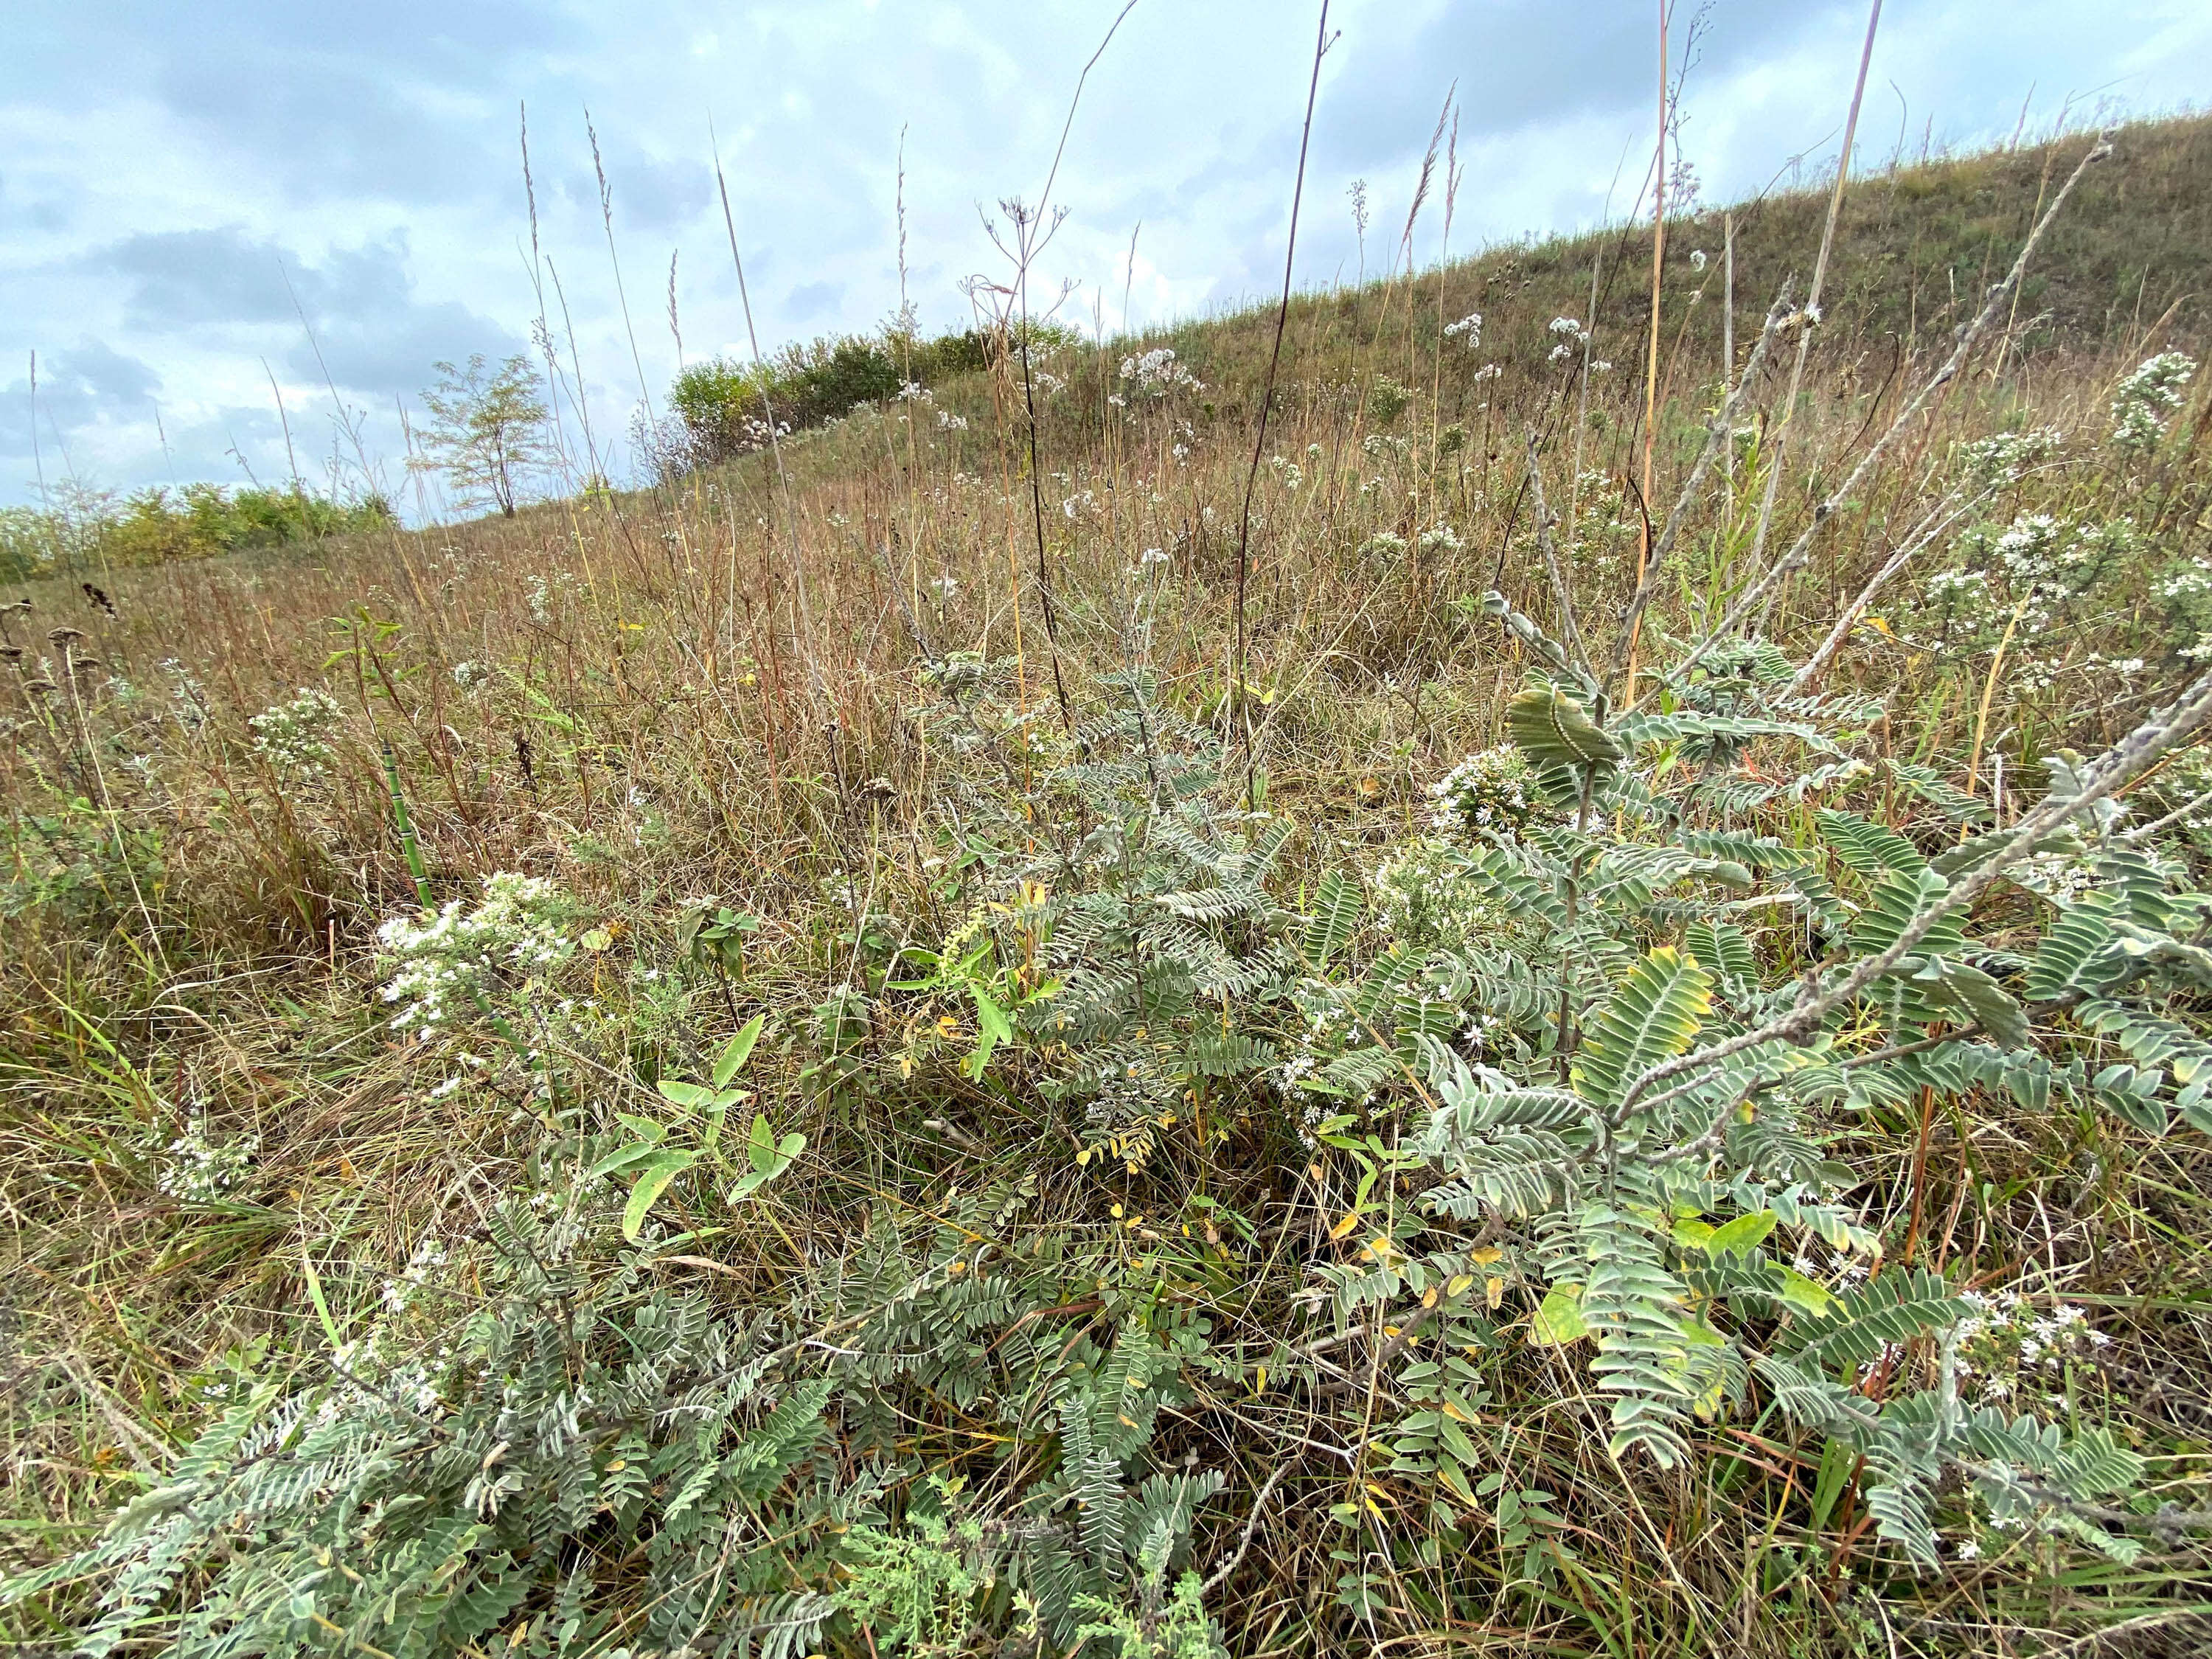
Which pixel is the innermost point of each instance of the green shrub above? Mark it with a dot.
(720, 406)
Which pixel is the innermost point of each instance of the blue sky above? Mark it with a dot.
(198, 198)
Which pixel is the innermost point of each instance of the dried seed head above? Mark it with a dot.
(63, 635)
(40, 687)
(11, 653)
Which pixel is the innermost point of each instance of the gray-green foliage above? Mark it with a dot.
(1166, 921)
(590, 1461)
(1658, 1069)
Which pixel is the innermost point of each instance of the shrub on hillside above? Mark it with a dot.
(155, 525)
(722, 412)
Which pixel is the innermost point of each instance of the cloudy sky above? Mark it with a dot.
(198, 197)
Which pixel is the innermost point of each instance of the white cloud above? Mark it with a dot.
(161, 160)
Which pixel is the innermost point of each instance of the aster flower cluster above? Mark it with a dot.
(1486, 793)
(2003, 459)
(450, 961)
(2021, 578)
(2146, 399)
(200, 1169)
(295, 737)
(1155, 373)
(2009, 1348)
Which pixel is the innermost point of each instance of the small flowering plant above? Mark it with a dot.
(197, 1167)
(295, 737)
(2016, 1351)
(1488, 794)
(2146, 399)
(1155, 373)
(447, 964)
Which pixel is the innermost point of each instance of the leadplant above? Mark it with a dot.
(1710, 1006)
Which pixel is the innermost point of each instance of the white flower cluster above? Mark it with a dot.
(1470, 326)
(1155, 373)
(399, 1291)
(1290, 471)
(544, 594)
(1572, 338)
(1433, 894)
(200, 1170)
(2189, 581)
(443, 963)
(1383, 547)
(948, 421)
(1488, 792)
(2146, 399)
(295, 737)
(2006, 1346)
(2002, 459)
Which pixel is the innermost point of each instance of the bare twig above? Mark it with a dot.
(1813, 299)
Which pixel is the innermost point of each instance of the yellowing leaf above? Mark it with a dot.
(1344, 1226)
(1803, 1294)
(1493, 1292)
(1558, 1319)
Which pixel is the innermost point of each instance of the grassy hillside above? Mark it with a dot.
(936, 1043)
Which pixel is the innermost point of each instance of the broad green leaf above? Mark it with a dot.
(992, 1028)
(651, 1182)
(1558, 1319)
(636, 1153)
(738, 1050)
(692, 1096)
(1744, 1233)
(991, 1019)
